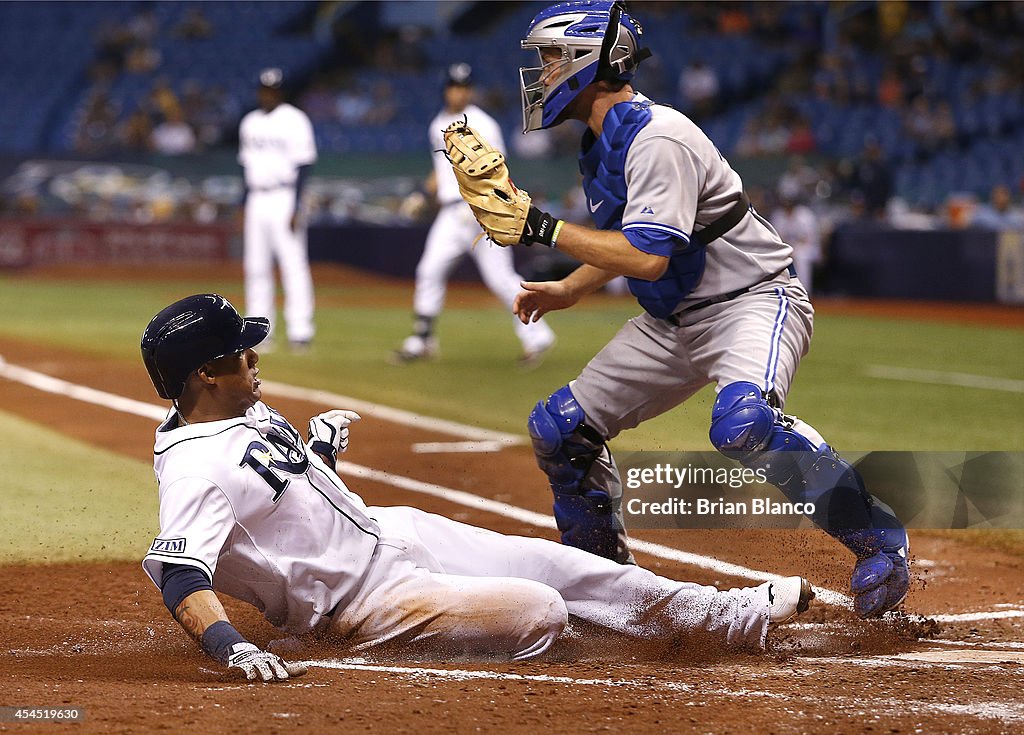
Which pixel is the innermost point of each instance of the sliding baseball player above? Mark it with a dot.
(251, 509)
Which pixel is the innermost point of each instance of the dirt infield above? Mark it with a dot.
(98, 636)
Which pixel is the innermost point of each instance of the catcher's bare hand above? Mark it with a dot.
(539, 297)
(258, 664)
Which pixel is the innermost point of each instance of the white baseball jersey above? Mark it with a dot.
(447, 185)
(677, 181)
(243, 501)
(272, 145)
(799, 227)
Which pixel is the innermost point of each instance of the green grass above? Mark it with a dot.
(62, 500)
(94, 504)
(476, 381)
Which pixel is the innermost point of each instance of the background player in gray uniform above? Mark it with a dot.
(455, 234)
(249, 509)
(276, 148)
(722, 304)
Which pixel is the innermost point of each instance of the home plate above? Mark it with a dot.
(964, 656)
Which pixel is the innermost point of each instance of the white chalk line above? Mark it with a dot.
(939, 377)
(457, 447)
(991, 710)
(394, 415)
(50, 384)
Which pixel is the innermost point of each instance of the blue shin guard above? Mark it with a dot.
(566, 449)
(746, 427)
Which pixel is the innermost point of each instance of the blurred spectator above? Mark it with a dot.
(174, 136)
(194, 25)
(382, 104)
(890, 89)
(352, 106)
(135, 132)
(162, 100)
(871, 180)
(733, 19)
(999, 213)
(535, 145)
(698, 87)
(799, 179)
(318, 101)
(95, 133)
(930, 127)
(801, 136)
(797, 225)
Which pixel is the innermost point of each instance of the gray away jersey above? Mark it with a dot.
(676, 177)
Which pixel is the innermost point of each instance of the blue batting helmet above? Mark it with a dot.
(595, 40)
(191, 332)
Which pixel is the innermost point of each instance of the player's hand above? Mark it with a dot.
(328, 433)
(294, 222)
(539, 297)
(259, 664)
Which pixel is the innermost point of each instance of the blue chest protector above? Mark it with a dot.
(603, 165)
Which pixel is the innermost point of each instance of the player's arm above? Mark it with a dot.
(202, 616)
(539, 297)
(609, 251)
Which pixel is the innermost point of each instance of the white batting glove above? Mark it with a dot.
(258, 663)
(328, 433)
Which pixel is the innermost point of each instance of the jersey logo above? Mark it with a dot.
(594, 206)
(168, 545)
(646, 210)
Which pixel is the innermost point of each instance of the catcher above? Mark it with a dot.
(249, 509)
(722, 302)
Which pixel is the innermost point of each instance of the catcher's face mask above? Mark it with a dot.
(577, 43)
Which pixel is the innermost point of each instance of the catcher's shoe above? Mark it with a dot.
(415, 348)
(787, 598)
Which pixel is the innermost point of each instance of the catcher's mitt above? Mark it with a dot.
(499, 207)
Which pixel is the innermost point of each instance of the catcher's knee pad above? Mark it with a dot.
(566, 448)
(746, 426)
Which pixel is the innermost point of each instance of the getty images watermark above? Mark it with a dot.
(952, 489)
(668, 475)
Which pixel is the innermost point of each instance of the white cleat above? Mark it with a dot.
(787, 598)
(415, 349)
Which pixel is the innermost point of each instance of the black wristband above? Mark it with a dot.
(326, 450)
(218, 639)
(541, 228)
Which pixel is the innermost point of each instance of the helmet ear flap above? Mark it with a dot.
(606, 70)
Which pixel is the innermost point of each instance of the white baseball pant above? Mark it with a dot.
(450, 238)
(269, 237)
(438, 585)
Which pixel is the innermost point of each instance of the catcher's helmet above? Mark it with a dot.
(191, 332)
(597, 40)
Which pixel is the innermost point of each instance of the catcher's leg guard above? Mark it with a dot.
(566, 449)
(747, 427)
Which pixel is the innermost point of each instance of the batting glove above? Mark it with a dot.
(258, 663)
(328, 433)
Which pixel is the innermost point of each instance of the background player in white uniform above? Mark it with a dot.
(277, 149)
(721, 302)
(797, 225)
(249, 509)
(455, 234)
